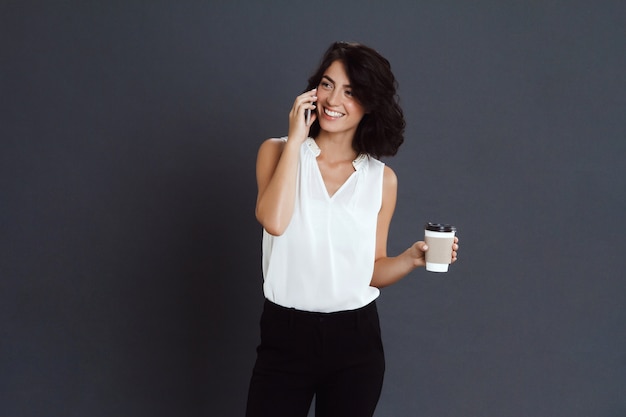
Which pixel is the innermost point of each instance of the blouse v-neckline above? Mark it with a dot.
(356, 164)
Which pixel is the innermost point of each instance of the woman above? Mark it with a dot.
(325, 203)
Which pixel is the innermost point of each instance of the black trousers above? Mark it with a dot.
(336, 357)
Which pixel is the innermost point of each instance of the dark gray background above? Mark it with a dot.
(130, 256)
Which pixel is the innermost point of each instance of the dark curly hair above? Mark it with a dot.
(381, 131)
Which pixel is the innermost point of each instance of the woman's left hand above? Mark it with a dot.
(455, 248)
(418, 252)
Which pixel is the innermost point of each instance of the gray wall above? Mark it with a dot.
(130, 256)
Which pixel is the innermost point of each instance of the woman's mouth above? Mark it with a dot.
(333, 114)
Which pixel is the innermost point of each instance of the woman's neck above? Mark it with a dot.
(336, 147)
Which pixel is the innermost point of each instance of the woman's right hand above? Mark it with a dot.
(298, 129)
(277, 169)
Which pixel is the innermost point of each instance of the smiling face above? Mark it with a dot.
(338, 110)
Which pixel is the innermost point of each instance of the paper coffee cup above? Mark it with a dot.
(439, 238)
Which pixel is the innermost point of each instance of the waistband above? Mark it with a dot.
(335, 316)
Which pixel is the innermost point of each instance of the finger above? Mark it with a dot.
(303, 103)
(309, 96)
(313, 117)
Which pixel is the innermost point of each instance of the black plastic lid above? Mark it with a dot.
(439, 227)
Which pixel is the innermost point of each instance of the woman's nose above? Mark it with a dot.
(332, 98)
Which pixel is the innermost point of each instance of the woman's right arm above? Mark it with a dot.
(277, 168)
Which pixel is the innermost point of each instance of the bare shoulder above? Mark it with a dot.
(271, 148)
(267, 159)
(390, 179)
(390, 191)
(273, 143)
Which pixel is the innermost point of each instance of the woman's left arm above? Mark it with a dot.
(389, 270)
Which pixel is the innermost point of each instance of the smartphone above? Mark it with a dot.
(307, 115)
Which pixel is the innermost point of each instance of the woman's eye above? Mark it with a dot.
(325, 84)
(349, 93)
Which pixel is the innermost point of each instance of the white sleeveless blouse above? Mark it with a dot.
(324, 260)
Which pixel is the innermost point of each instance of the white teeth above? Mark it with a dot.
(333, 113)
